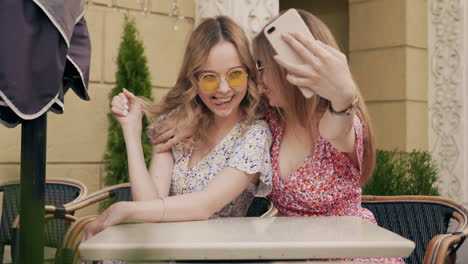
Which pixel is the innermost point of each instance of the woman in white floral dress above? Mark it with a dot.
(228, 161)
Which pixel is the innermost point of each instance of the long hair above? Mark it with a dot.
(183, 101)
(309, 111)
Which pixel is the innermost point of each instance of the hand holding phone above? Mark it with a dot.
(288, 22)
(313, 66)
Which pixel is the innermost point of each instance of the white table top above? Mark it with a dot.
(273, 238)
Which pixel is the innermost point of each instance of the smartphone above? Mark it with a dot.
(288, 22)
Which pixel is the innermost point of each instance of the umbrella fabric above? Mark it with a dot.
(44, 51)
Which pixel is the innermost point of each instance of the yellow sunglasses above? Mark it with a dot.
(236, 78)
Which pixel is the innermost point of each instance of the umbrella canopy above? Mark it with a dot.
(45, 50)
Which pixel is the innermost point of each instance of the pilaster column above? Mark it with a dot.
(448, 94)
(388, 58)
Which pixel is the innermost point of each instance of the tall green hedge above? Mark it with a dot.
(403, 173)
(132, 74)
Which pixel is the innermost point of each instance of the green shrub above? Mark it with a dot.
(132, 74)
(403, 173)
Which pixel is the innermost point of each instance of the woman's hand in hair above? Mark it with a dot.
(325, 70)
(126, 109)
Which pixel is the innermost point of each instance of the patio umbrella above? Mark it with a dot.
(44, 51)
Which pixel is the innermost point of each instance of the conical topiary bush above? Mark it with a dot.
(132, 74)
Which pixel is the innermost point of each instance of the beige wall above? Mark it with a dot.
(388, 57)
(386, 43)
(76, 140)
(334, 13)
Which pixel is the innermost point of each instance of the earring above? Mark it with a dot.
(260, 87)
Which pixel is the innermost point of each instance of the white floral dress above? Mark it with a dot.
(244, 148)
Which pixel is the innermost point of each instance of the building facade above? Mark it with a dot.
(407, 56)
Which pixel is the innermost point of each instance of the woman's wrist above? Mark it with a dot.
(345, 97)
(343, 102)
(131, 131)
(122, 212)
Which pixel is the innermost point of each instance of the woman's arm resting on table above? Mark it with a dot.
(224, 188)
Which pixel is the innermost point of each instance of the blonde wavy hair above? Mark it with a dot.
(183, 102)
(309, 111)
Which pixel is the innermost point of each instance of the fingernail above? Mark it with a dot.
(125, 112)
(126, 107)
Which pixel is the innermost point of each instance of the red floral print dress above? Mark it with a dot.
(326, 184)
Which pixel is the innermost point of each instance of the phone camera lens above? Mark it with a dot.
(270, 30)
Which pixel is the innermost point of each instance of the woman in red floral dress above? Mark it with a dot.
(323, 147)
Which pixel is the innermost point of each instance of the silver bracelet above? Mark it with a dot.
(165, 208)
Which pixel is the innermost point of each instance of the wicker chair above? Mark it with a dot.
(424, 220)
(122, 192)
(57, 192)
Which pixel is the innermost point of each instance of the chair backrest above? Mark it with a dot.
(258, 207)
(67, 252)
(57, 193)
(412, 217)
(119, 194)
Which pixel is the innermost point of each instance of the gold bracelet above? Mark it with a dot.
(348, 110)
(165, 208)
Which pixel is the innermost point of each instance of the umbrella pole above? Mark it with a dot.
(33, 168)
